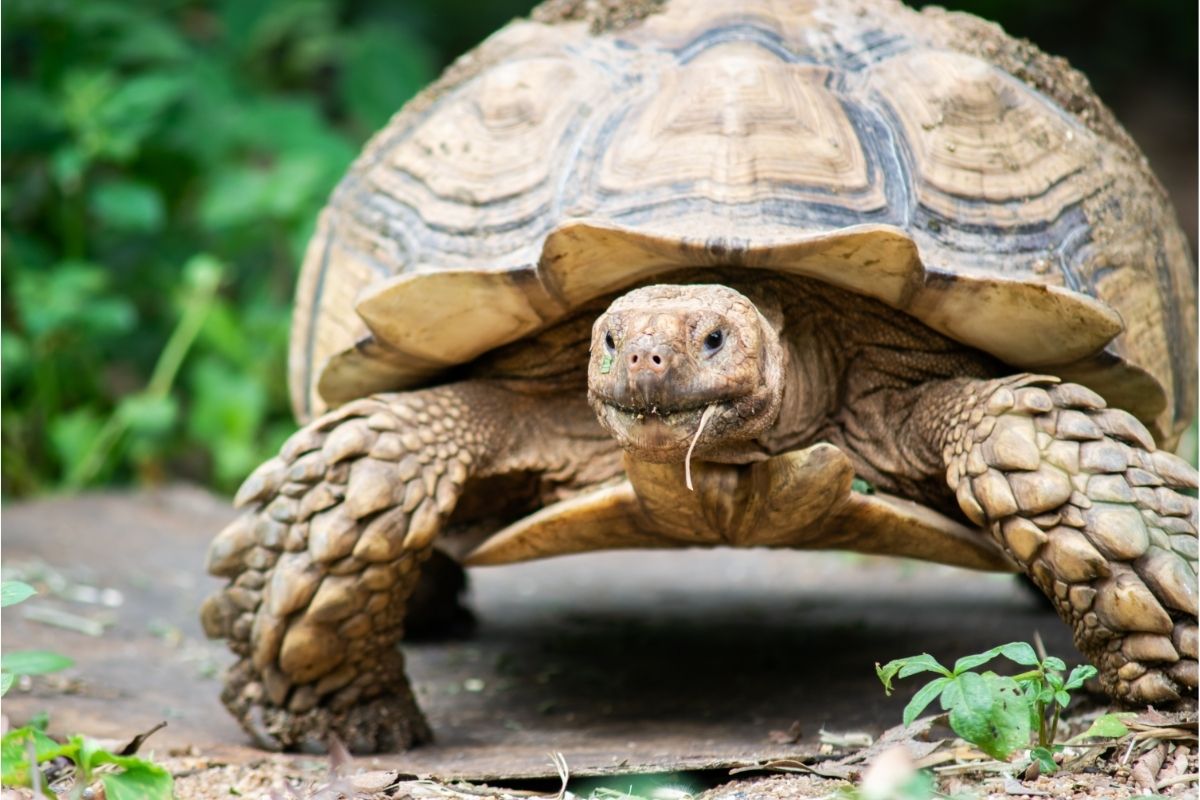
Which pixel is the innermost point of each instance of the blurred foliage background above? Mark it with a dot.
(163, 164)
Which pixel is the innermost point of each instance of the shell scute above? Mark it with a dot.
(879, 152)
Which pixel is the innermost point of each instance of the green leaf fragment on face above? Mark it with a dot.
(606, 363)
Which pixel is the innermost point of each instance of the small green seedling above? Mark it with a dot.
(1000, 714)
(123, 777)
(24, 662)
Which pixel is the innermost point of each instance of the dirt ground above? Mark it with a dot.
(666, 675)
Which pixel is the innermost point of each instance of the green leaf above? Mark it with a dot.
(1044, 757)
(991, 714)
(1079, 675)
(6, 681)
(1062, 697)
(148, 415)
(861, 486)
(127, 205)
(71, 298)
(384, 68)
(1054, 663)
(139, 784)
(1107, 726)
(15, 758)
(138, 780)
(970, 662)
(906, 667)
(13, 592)
(235, 196)
(923, 698)
(1018, 652)
(73, 432)
(34, 662)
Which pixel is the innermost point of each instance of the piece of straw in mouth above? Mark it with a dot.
(687, 460)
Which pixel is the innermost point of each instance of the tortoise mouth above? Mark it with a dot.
(661, 434)
(640, 412)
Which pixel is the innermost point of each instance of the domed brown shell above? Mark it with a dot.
(925, 159)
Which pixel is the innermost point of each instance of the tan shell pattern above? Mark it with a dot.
(923, 158)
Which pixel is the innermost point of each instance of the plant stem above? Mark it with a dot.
(196, 308)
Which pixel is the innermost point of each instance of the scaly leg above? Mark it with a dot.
(323, 561)
(1080, 497)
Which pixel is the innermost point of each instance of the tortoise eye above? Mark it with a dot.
(713, 342)
(608, 342)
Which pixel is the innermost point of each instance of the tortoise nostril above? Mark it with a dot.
(633, 359)
(656, 359)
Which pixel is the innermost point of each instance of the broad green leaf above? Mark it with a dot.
(6, 681)
(1107, 726)
(139, 784)
(1054, 663)
(15, 757)
(73, 433)
(139, 780)
(13, 592)
(1079, 675)
(970, 662)
(148, 415)
(1062, 697)
(921, 663)
(71, 298)
(991, 714)
(923, 698)
(951, 695)
(15, 358)
(905, 667)
(1018, 652)
(31, 117)
(1044, 757)
(127, 205)
(34, 662)
(236, 196)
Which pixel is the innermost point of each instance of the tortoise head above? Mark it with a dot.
(677, 367)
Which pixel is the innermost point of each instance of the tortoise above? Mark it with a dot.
(675, 273)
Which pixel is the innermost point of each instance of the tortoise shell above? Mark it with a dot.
(925, 159)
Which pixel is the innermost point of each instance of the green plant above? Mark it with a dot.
(1000, 714)
(124, 777)
(24, 662)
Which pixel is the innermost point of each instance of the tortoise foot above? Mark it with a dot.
(1080, 497)
(364, 716)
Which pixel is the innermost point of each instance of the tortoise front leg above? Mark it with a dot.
(1080, 497)
(324, 559)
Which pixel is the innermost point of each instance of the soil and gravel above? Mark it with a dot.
(654, 675)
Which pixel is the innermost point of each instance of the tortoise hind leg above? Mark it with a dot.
(1078, 495)
(323, 562)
